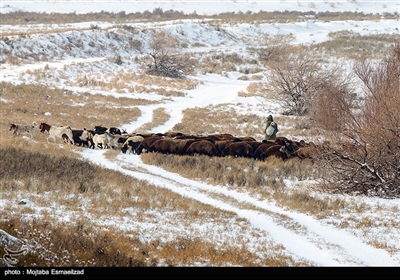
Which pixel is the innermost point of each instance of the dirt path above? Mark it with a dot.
(319, 244)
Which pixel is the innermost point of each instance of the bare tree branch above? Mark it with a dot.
(167, 58)
(364, 159)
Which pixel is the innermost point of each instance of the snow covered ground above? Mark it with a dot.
(322, 243)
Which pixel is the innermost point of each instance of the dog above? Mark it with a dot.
(17, 129)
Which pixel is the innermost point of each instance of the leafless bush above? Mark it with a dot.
(166, 57)
(275, 47)
(297, 78)
(364, 157)
(332, 106)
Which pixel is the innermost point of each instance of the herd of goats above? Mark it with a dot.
(172, 142)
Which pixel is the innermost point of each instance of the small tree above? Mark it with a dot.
(364, 157)
(298, 78)
(165, 56)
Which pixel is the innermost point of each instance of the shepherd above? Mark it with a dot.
(271, 129)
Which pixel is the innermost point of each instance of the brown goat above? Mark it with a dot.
(183, 144)
(261, 149)
(202, 147)
(146, 143)
(274, 150)
(164, 146)
(238, 149)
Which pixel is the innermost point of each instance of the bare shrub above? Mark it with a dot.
(364, 158)
(166, 57)
(136, 44)
(300, 78)
(332, 106)
(118, 60)
(275, 47)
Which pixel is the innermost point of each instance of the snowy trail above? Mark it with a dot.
(318, 243)
(333, 247)
(216, 90)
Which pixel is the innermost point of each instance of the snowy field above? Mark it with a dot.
(322, 242)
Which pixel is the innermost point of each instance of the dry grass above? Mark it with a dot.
(351, 45)
(41, 172)
(94, 247)
(264, 179)
(90, 236)
(216, 119)
(224, 118)
(267, 181)
(44, 177)
(220, 63)
(22, 18)
(159, 117)
(28, 103)
(105, 191)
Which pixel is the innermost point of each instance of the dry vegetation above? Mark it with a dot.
(43, 171)
(352, 45)
(157, 15)
(264, 178)
(45, 176)
(112, 79)
(81, 110)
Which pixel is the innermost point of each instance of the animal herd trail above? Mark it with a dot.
(317, 243)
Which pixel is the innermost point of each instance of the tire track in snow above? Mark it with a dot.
(323, 246)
